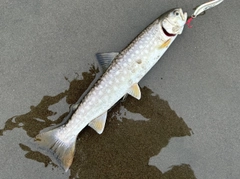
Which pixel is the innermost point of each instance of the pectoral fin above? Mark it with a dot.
(135, 91)
(165, 44)
(105, 59)
(98, 124)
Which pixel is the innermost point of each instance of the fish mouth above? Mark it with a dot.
(183, 15)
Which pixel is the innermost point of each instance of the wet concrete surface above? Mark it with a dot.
(185, 126)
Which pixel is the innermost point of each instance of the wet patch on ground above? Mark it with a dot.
(124, 148)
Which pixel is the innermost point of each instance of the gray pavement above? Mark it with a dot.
(47, 49)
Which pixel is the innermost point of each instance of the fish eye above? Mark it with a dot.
(176, 13)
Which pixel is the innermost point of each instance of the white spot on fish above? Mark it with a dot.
(87, 107)
(130, 82)
(100, 93)
(117, 81)
(146, 51)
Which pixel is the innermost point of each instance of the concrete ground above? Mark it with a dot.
(188, 119)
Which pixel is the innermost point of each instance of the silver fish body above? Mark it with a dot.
(123, 72)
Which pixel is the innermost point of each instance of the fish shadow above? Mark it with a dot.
(124, 148)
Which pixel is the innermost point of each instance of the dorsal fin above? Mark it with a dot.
(98, 123)
(105, 59)
(135, 91)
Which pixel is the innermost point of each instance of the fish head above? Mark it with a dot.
(174, 20)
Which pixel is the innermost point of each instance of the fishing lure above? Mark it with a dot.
(201, 9)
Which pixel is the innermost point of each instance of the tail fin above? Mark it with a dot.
(63, 151)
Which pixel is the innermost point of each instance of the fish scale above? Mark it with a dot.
(123, 72)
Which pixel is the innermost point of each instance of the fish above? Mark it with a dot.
(121, 73)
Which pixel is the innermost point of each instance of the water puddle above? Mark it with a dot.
(126, 145)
